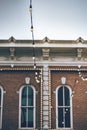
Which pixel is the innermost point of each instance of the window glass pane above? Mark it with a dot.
(0, 117)
(30, 117)
(23, 117)
(63, 106)
(60, 96)
(30, 96)
(0, 97)
(67, 117)
(24, 96)
(60, 117)
(67, 96)
(27, 108)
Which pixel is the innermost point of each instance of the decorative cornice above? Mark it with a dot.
(46, 54)
(46, 42)
(11, 39)
(69, 68)
(18, 68)
(79, 53)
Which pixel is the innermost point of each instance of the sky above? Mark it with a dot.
(56, 19)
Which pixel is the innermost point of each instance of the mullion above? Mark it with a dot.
(63, 106)
(27, 109)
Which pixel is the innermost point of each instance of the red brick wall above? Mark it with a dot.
(11, 81)
(79, 99)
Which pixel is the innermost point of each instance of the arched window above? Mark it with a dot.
(64, 107)
(27, 107)
(1, 105)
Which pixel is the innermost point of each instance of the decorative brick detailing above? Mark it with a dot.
(45, 99)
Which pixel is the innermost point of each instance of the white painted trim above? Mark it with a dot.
(70, 90)
(40, 63)
(20, 92)
(2, 92)
(46, 45)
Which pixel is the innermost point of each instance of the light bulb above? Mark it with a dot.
(32, 28)
(34, 45)
(30, 9)
(37, 81)
(34, 66)
(36, 73)
(33, 57)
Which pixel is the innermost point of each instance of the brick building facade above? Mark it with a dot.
(52, 96)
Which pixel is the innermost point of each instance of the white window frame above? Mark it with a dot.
(1, 106)
(71, 119)
(34, 107)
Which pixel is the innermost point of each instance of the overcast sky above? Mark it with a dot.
(56, 19)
